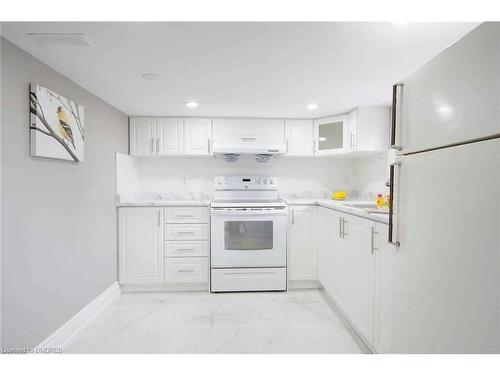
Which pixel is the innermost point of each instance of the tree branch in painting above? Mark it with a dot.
(36, 109)
(72, 109)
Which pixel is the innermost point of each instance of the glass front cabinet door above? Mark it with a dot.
(332, 135)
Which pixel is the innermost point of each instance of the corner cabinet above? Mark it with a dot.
(140, 245)
(332, 135)
(170, 136)
(363, 130)
(302, 245)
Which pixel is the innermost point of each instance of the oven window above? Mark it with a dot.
(248, 235)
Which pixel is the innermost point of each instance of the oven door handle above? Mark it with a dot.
(247, 213)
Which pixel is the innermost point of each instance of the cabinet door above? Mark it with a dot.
(197, 136)
(303, 243)
(331, 251)
(369, 129)
(299, 137)
(332, 135)
(237, 131)
(142, 136)
(169, 136)
(140, 245)
(360, 263)
(384, 259)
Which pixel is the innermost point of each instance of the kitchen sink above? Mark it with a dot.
(368, 205)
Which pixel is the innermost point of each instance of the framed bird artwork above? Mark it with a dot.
(56, 126)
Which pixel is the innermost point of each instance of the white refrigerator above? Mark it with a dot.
(445, 211)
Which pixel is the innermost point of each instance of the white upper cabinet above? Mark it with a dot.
(364, 129)
(299, 136)
(369, 129)
(142, 136)
(237, 131)
(169, 133)
(332, 135)
(197, 136)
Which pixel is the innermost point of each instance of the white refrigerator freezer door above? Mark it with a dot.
(455, 96)
(446, 283)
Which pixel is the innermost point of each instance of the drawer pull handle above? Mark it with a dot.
(185, 232)
(186, 249)
(182, 215)
(185, 271)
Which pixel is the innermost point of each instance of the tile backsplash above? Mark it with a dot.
(302, 176)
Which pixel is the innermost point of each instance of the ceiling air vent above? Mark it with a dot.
(61, 39)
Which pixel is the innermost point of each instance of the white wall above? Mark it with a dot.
(59, 242)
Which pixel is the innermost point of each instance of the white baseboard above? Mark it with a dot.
(348, 324)
(69, 329)
(303, 284)
(166, 287)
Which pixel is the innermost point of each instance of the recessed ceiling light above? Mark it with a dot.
(151, 76)
(312, 106)
(191, 104)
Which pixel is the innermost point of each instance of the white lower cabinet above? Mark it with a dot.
(302, 244)
(348, 251)
(164, 247)
(140, 242)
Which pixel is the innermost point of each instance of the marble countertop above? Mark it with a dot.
(166, 203)
(158, 199)
(339, 206)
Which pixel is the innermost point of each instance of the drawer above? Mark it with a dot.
(248, 279)
(186, 215)
(186, 248)
(186, 270)
(186, 232)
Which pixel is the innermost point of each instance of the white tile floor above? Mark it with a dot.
(290, 322)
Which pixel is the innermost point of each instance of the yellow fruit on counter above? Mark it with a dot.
(339, 195)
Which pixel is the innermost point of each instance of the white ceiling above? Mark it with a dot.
(241, 69)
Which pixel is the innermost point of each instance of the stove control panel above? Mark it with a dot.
(246, 183)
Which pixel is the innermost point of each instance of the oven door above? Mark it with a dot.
(249, 238)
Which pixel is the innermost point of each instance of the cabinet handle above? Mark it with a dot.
(186, 249)
(248, 138)
(293, 216)
(340, 227)
(287, 145)
(208, 146)
(185, 271)
(343, 227)
(157, 145)
(396, 93)
(181, 215)
(372, 240)
(151, 145)
(159, 218)
(185, 232)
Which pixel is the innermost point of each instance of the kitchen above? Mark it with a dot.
(364, 215)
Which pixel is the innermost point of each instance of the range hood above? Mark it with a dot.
(262, 152)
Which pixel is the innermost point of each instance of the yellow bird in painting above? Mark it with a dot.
(64, 128)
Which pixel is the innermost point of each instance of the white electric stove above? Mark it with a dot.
(248, 235)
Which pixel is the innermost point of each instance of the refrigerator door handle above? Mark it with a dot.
(393, 232)
(396, 111)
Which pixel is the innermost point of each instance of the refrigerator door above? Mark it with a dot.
(446, 283)
(454, 97)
